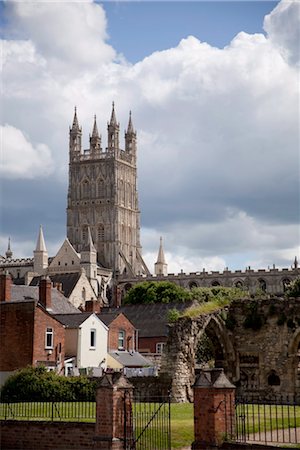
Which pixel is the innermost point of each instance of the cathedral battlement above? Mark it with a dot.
(5, 262)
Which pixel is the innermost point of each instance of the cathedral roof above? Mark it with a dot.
(68, 281)
(59, 303)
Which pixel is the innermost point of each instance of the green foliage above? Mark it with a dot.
(220, 294)
(205, 350)
(294, 289)
(253, 318)
(212, 299)
(156, 292)
(173, 315)
(36, 384)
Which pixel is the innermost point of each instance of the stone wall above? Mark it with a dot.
(259, 342)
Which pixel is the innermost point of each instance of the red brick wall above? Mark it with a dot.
(46, 435)
(214, 412)
(149, 344)
(121, 323)
(43, 320)
(22, 335)
(16, 335)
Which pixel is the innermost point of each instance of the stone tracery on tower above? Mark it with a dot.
(103, 197)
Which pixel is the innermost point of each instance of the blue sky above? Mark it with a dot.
(137, 29)
(214, 93)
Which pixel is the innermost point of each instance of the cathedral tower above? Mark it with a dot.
(103, 197)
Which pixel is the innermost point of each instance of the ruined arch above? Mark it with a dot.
(294, 360)
(180, 352)
(193, 284)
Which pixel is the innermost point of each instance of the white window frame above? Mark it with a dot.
(49, 332)
(94, 334)
(159, 347)
(121, 338)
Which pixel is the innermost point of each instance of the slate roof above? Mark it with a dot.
(108, 317)
(72, 320)
(130, 359)
(68, 281)
(149, 319)
(60, 303)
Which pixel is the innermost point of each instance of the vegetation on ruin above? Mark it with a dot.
(37, 384)
(293, 289)
(210, 300)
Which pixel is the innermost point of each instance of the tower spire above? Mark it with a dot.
(130, 137)
(130, 126)
(161, 267)
(113, 120)
(75, 125)
(8, 252)
(95, 139)
(113, 131)
(40, 254)
(40, 244)
(75, 137)
(95, 128)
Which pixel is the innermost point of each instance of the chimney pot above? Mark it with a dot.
(5, 287)
(45, 287)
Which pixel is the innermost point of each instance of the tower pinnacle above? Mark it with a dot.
(75, 125)
(161, 267)
(8, 252)
(40, 245)
(113, 120)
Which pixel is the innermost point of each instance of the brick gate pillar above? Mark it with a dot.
(113, 412)
(214, 409)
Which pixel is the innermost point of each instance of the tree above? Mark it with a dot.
(157, 292)
(294, 289)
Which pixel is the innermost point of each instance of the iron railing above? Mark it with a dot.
(150, 423)
(276, 420)
(51, 411)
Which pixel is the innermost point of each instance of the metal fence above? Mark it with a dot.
(275, 420)
(52, 411)
(150, 423)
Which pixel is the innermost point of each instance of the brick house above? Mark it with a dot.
(29, 334)
(151, 323)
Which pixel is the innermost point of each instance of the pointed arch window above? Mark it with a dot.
(85, 189)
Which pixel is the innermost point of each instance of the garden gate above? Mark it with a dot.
(148, 426)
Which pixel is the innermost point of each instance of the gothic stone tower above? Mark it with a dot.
(103, 196)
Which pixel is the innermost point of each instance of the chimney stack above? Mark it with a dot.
(5, 287)
(92, 306)
(45, 287)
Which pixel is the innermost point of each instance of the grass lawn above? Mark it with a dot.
(182, 424)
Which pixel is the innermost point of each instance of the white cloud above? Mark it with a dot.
(218, 130)
(283, 28)
(20, 159)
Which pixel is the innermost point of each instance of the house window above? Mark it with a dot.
(93, 338)
(49, 338)
(159, 347)
(121, 340)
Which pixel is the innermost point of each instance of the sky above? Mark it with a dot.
(214, 92)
